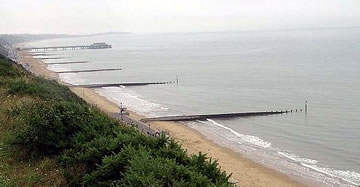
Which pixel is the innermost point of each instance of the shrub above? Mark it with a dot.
(20, 87)
(112, 167)
(173, 150)
(209, 168)
(89, 153)
(43, 88)
(146, 170)
(96, 150)
(7, 69)
(163, 162)
(4, 182)
(46, 127)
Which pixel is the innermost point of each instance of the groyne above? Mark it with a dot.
(69, 62)
(212, 116)
(121, 84)
(90, 70)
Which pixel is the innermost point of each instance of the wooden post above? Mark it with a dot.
(306, 107)
(121, 111)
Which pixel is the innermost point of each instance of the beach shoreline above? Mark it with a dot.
(245, 171)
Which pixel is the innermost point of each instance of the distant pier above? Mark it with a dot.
(90, 70)
(73, 47)
(121, 84)
(212, 116)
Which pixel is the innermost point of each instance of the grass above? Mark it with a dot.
(42, 88)
(15, 168)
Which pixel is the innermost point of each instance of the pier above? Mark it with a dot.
(90, 70)
(121, 84)
(69, 62)
(72, 47)
(212, 116)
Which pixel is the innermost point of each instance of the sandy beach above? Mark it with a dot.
(244, 171)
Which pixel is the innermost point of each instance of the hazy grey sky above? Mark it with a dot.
(90, 16)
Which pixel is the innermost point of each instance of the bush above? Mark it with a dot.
(4, 182)
(146, 170)
(43, 88)
(7, 69)
(209, 168)
(46, 127)
(163, 162)
(137, 166)
(90, 154)
(112, 167)
(96, 150)
(20, 87)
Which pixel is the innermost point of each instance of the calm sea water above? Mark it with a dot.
(240, 72)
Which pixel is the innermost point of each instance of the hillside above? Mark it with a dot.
(51, 137)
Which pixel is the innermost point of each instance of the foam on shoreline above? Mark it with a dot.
(262, 151)
(131, 99)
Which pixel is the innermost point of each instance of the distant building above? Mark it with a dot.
(99, 46)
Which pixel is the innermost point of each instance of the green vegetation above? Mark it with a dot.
(3, 50)
(51, 137)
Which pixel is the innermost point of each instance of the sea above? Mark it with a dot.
(248, 71)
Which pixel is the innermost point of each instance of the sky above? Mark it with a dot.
(96, 16)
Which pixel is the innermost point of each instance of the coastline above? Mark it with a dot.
(245, 171)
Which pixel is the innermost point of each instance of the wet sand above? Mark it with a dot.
(244, 171)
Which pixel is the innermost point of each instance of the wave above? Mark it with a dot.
(297, 158)
(289, 161)
(245, 138)
(57, 67)
(70, 78)
(350, 177)
(131, 99)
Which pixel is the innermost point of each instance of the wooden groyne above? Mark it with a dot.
(50, 58)
(121, 84)
(90, 70)
(42, 54)
(212, 116)
(38, 53)
(69, 62)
